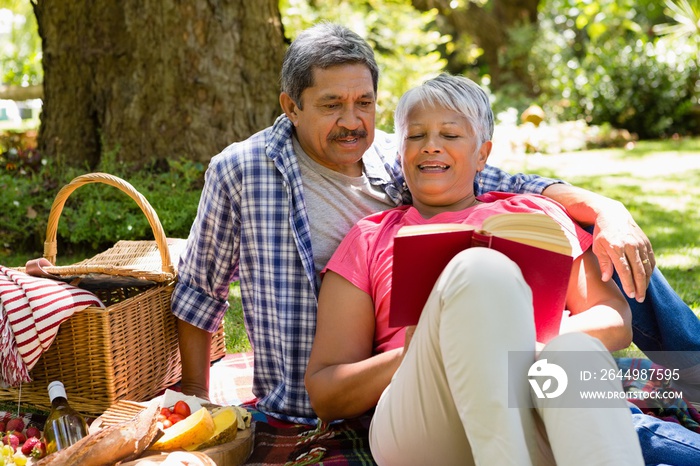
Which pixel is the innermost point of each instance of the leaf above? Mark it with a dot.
(31, 213)
(596, 30)
(581, 22)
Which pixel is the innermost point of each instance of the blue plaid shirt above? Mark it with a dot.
(252, 226)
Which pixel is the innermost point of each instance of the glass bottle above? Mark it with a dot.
(64, 426)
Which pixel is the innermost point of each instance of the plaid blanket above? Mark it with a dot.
(654, 394)
(338, 444)
(231, 380)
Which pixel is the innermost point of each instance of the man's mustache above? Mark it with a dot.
(356, 133)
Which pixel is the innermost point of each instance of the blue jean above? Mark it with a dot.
(665, 443)
(667, 330)
(664, 327)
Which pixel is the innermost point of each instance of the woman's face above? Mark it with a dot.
(440, 158)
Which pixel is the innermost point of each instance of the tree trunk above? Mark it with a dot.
(151, 80)
(489, 25)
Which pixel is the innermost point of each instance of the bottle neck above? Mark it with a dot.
(59, 401)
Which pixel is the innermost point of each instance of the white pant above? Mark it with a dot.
(448, 402)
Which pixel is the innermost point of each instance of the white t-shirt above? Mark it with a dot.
(334, 203)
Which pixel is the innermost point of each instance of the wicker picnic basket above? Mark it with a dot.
(128, 351)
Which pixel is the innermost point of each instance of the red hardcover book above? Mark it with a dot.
(534, 241)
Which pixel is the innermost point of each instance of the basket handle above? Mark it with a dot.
(50, 248)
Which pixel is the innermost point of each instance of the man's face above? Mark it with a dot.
(336, 125)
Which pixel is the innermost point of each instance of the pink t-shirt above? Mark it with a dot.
(365, 255)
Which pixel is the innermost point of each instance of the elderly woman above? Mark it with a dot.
(449, 390)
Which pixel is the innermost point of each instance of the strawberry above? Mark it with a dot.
(29, 444)
(12, 440)
(39, 451)
(15, 424)
(33, 431)
(34, 447)
(2, 426)
(20, 436)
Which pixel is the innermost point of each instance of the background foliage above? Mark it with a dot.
(632, 64)
(95, 216)
(601, 61)
(20, 45)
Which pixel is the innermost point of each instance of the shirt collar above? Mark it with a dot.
(380, 162)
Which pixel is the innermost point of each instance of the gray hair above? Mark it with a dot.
(323, 46)
(456, 93)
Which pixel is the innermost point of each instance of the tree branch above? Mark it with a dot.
(21, 93)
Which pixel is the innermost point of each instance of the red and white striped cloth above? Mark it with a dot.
(31, 310)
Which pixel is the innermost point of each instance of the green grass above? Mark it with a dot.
(669, 213)
(234, 329)
(664, 202)
(667, 208)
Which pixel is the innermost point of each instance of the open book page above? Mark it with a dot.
(535, 229)
(421, 252)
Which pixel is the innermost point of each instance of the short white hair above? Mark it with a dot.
(456, 93)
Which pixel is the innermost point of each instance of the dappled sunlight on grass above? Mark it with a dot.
(234, 326)
(685, 259)
(667, 208)
(643, 148)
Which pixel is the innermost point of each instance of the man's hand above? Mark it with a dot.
(619, 242)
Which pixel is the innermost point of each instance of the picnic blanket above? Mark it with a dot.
(231, 380)
(346, 443)
(339, 444)
(31, 310)
(654, 393)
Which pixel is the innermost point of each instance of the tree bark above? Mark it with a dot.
(151, 80)
(488, 25)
